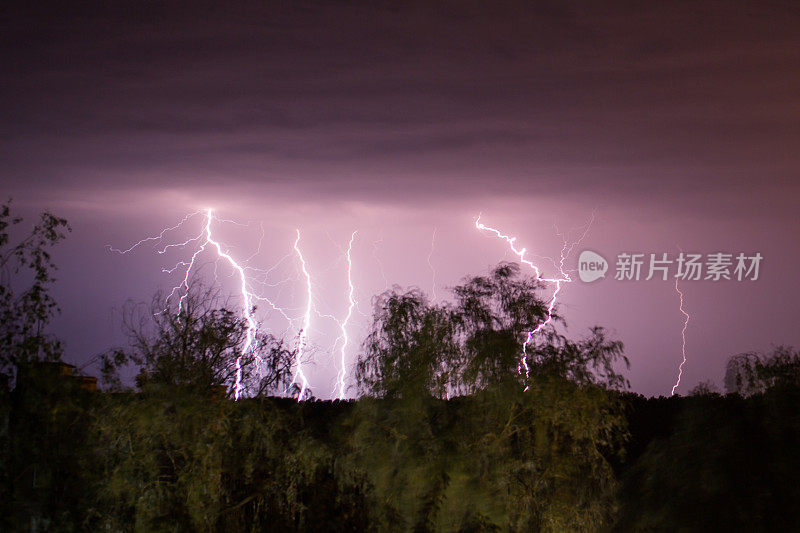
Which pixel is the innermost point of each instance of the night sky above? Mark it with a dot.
(676, 123)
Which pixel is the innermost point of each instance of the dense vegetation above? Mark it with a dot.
(451, 431)
(178, 461)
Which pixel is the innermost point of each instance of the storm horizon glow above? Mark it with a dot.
(404, 126)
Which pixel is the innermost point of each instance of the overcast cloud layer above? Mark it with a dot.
(678, 123)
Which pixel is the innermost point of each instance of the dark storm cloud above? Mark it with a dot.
(679, 121)
(651, 97)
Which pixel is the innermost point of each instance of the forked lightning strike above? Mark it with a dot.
(683, 338)
(159, 237)
(302, 336)
(207, 241)
(247, 305)
(558, 281)
(379, 262)
(430, 265)
(247, 296)
(343, 325)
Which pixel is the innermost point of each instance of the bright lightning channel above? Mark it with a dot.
(343, 325)
(159, 237)
(303, 333)
(430, 265)
(247, 305)
(206, 240)
(375, 246)
(183, 287)
(557, 281)
(683, 337)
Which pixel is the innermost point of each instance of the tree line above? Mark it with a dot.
(452, 430)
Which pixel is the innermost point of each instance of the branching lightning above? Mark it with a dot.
(245, 274)
(343, 325)
(206, 240)
(380, 263)
(159, 237)
(520, 253)
(430, 265)
(299, 377)
(568, 246)
(247, 305)
(683, 337)
(564, 277)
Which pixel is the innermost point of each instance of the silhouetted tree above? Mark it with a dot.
(203, 346)
(410, 350)
(180, 461)
(477, 342)
(753, 373)
(492, 315)
(704, 388)
(46, 419)
(511, 451)
(26, 275)
(715, 463)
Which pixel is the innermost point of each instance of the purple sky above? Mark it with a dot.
(678, 124)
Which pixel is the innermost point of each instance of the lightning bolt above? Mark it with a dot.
(568, 246)
(303, 333)
(377, 260)
(247, 305)
(566, 249)
(343, 325)
(430, 265)
(520, 253)
(156, 238)
(683, 338)
(205, 240)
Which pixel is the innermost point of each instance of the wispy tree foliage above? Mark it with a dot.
(492, 315)
(754, 373)
(184, 462)
(26, 276)
(450, 432)
(476, 343)
(510, 451)
(710, 462)
(201, 347)
(411, 349)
